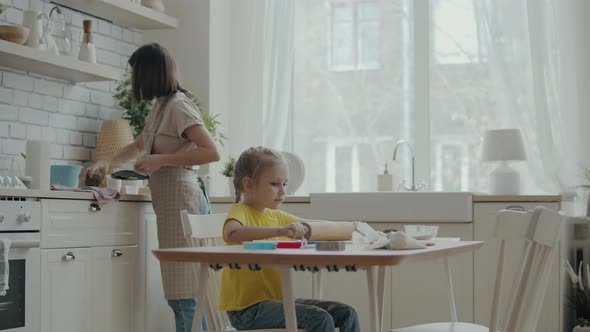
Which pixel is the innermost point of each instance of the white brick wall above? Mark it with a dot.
(67, 114)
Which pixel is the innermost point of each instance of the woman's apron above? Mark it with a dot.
(173, 189)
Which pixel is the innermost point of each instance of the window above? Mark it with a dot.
(354, 42)
(346, 122)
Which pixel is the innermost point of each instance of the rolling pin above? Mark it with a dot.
(330, 230)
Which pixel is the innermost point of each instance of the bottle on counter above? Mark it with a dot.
(87, 48)
(385, 180)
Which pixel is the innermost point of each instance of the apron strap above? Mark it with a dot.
(150, 133)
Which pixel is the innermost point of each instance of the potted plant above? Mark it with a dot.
(228, 171)
(579, 297)
(136, 112)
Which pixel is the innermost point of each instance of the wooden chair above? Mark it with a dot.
(207, 230)
(539, 229)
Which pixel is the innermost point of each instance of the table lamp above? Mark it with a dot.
(503, 145)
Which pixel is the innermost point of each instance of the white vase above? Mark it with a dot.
(581, 329)
(231, 185)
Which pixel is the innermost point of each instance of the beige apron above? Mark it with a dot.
(173, 189)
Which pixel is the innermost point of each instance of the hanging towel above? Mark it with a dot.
(4, 247)
(102, 195)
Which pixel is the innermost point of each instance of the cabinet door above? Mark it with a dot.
(114, 288)
(158, 315)
(65, 291)
(420, 291)
(486, 258)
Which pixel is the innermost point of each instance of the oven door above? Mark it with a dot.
(20, 307)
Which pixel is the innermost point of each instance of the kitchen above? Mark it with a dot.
(348, 98)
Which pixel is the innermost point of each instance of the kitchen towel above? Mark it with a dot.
(102, 195)
(369, 238)
(4, 247)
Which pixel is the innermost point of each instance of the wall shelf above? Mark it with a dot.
(44, 63)
(123, 12)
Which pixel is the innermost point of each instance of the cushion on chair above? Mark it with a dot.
(444, 327)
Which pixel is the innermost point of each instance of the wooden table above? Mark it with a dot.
(353, 258)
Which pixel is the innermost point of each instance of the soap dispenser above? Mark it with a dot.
(385, 180)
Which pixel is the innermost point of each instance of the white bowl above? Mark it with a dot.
(421, 232)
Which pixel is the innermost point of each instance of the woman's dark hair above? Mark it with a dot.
(252, 163)
(154, 72)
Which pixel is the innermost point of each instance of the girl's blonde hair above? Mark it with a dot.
(252, 163)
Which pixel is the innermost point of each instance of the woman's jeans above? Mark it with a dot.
(184, 312)
(312, 315)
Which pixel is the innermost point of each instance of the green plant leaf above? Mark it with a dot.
(228, 167)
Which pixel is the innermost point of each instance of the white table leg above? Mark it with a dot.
(318, 288)
(451, 291)
(376, 296)
(288, 299)
(202, 297)
(380, 295)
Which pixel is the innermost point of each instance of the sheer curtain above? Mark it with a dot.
(532, 55)
(277, 73)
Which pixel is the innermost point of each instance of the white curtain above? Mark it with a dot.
(277, 73)
(532, 54)
(261, 69)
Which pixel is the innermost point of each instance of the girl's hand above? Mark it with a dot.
(149, 164)
(295, 230)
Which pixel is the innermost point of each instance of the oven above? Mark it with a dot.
(20, 221)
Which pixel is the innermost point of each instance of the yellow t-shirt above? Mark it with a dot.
(243, 288)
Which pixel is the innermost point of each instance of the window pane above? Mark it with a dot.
(346, 122)
(461, 99)
(369, 45)
(342, 51)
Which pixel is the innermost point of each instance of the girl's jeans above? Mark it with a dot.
(312, 315)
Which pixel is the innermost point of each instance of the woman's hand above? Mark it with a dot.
(149, 164)
(295, 230)
(100, 167)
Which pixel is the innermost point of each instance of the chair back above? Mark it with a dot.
(207, 230)
(539, 230)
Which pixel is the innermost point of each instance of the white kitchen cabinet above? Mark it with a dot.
(486, 259)
(89, 267)
(89, 289)
(66, 290)
(115, 297)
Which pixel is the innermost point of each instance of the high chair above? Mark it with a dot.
(539, 229)
(207, 230)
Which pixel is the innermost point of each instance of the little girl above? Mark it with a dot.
(253, 299)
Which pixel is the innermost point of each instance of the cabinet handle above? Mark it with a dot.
(515, 208)
(117, 253)
(69, 256)
(1, 218)
(94, 207)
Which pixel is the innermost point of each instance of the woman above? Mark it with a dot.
(174, 139)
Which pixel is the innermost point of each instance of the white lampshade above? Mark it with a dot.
(503, 144)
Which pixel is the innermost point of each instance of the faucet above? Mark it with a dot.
(397, 145)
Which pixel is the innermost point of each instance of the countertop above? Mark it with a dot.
(55, 194)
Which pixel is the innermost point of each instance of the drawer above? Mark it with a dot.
(486, 212)
(79, 223)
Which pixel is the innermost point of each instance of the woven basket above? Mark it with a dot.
(114, 134)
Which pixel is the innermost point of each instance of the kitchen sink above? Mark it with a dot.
(419, 207)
